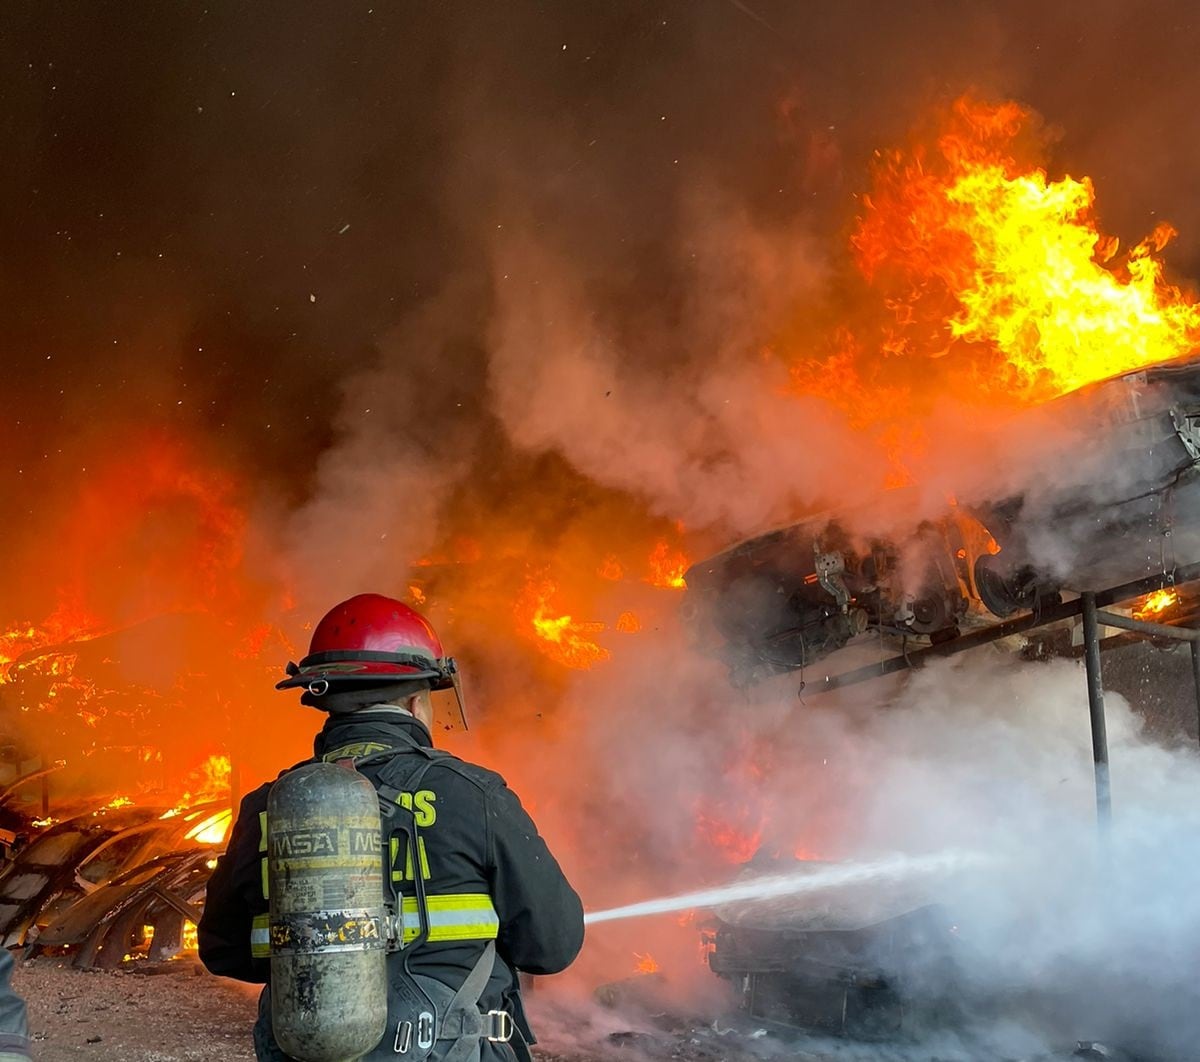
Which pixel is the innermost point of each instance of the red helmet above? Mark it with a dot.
(371, 638)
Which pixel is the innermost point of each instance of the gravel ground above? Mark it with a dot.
(177, 1012)
(173, 1012)
(181, 1015)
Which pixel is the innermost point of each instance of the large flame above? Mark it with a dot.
(988, 250)
(982, 272)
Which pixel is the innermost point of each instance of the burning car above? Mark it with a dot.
(1122, 502)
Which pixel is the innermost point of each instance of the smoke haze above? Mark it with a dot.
(303, 302)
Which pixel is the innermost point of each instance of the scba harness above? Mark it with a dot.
(427, 1019)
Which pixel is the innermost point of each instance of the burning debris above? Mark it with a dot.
(106, 879)
(981, 406)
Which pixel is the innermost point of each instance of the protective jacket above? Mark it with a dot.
(14, 1027)
(488, 876)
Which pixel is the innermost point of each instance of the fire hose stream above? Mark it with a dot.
(775, 887)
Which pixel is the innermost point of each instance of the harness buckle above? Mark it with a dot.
(498, 1027)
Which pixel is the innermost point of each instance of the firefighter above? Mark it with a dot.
(14, 1027)
(501, 903)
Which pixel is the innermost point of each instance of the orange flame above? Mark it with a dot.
(611, 568)
(212, 828)
(66, 624)
(1154, 605)
(646, 964)
(562, 638)
(210, 782)
(735, 843)
(667, 566)
(628, 623)
(989, 251)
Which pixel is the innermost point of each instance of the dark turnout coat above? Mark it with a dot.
(483, 858)
(14, 1028)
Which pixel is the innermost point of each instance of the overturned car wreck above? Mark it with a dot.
(1124, 504)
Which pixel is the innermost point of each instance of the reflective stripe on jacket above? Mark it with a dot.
(488, 875)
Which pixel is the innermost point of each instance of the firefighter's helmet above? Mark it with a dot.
(370, 639)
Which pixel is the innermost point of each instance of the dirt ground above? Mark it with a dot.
(177, 1012)
(174, 1012)
(184, 1015)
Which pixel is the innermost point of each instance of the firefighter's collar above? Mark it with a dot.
(371, 725)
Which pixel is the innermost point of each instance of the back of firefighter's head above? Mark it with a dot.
(371, 650)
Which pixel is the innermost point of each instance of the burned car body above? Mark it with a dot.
(788, 598)
(853, 960)
(1118, 500)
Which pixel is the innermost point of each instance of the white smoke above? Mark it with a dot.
(683, 408)
(1059, 938)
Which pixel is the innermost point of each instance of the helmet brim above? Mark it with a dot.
(357, 673)
(334, 673)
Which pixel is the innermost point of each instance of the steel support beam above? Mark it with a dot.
(1196, 682)
(1030, 621)
(1095, 687)
(1151, 630)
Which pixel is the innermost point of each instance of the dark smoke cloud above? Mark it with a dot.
(220, 219)
(418, 272)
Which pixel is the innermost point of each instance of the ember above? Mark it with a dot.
(645, 963)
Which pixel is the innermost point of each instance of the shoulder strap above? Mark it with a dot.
(393, 779)
(462, 1023)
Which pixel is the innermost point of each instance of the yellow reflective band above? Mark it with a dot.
(260, 937)
(266, 878)
(262, 831)
(461, 916)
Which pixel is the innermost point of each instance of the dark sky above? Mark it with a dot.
(214, 214)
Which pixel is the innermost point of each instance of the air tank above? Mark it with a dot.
(325, 877)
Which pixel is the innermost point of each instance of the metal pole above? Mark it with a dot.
(1195, 647)
(1151, 630)
(1095, 685)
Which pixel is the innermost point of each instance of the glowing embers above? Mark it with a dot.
(20, 645)
(628, 623)
(972, 243)
(667, 566)
(1158, 605)
(564, 639)
(646, 964)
